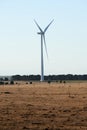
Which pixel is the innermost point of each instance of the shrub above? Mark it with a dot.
(49, 81)
(56, 81)
(11, 82)
(64, 82)
(60, 81)
(30, 82)
(6, 83)
(1, 82)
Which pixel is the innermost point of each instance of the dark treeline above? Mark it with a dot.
(49, 77)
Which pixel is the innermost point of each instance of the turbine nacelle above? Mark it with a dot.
(41, 33)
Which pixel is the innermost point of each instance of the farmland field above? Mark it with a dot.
(43, 106)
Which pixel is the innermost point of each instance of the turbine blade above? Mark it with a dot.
(38, 26)
(45, 45)
(48, 26)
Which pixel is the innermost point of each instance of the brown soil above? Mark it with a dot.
(43, 106)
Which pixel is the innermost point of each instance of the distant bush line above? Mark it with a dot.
(49, 77)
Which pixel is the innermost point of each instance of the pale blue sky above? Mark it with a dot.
(66, 38)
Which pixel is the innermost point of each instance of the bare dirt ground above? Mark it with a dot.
(43, 106)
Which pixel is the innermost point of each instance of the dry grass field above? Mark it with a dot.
(43, 106)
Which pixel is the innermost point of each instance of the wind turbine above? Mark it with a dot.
(42, 33)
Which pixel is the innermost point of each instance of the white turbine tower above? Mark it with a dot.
(42, 33)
